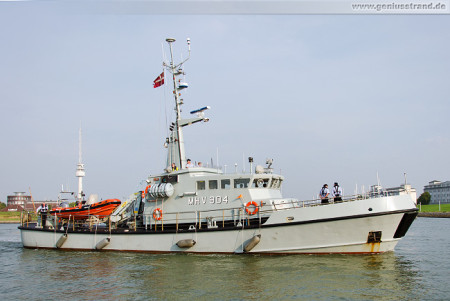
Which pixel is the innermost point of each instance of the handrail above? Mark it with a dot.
(199, 219)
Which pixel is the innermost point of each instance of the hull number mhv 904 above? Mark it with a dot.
(211, 200)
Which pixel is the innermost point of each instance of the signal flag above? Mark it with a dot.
(159, 81)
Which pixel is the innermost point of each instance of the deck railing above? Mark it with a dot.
(195, 220)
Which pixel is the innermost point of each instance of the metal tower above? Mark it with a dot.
(80, 173)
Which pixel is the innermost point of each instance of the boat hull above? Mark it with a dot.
(100, 209)
(341, 234)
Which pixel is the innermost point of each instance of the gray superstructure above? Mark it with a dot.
(204, 210)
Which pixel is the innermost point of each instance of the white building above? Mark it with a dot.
(403, 189)
(439, 191)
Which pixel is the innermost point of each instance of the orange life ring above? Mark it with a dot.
(157, 214)
(250, 204)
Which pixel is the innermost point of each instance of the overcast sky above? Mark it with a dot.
(328, 97)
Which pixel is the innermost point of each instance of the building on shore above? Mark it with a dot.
(17, 202)
(439, 191)
(20, 201)
(403, 189)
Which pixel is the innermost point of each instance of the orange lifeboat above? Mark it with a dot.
(99, 209)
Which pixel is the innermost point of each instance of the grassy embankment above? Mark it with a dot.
(434, 208)
(12, 217)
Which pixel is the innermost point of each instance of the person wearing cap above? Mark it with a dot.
(189, 164)
(337, 193)
(324, 192)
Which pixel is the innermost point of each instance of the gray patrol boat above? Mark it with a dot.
(202, 209)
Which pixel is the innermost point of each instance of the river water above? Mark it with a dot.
(418, 269)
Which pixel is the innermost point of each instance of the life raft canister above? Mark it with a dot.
(157, 214)
(252, 203)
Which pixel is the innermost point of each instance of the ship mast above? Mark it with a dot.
(175, 142)
(179, 133)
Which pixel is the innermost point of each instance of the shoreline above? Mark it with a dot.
(434, 214)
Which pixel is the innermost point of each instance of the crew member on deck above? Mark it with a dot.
(337, 193)
(324, 192)
(174, 167)
(189, 164)
(42, 211)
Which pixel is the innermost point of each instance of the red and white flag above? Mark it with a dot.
(159, 81)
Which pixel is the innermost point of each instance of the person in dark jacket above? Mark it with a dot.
(324, 193)
(42, 211)
(337, 193)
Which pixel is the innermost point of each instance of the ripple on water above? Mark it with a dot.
(417, 270)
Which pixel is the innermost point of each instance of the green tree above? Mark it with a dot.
(424, 198)
(2, 205)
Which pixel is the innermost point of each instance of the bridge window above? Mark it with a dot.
(201, 185)
(275, 183)
(225, 184)
(241, 183)
(213, 184)
(260, 183)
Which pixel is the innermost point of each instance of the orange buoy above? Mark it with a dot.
(252, 203)
(157, 214)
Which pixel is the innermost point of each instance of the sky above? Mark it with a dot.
(328, 97)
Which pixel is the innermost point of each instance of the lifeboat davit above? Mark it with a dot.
(99, 209)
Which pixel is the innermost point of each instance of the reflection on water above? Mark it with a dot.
(64, 275)
(93, 275)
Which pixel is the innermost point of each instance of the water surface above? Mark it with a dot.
(418, 269)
